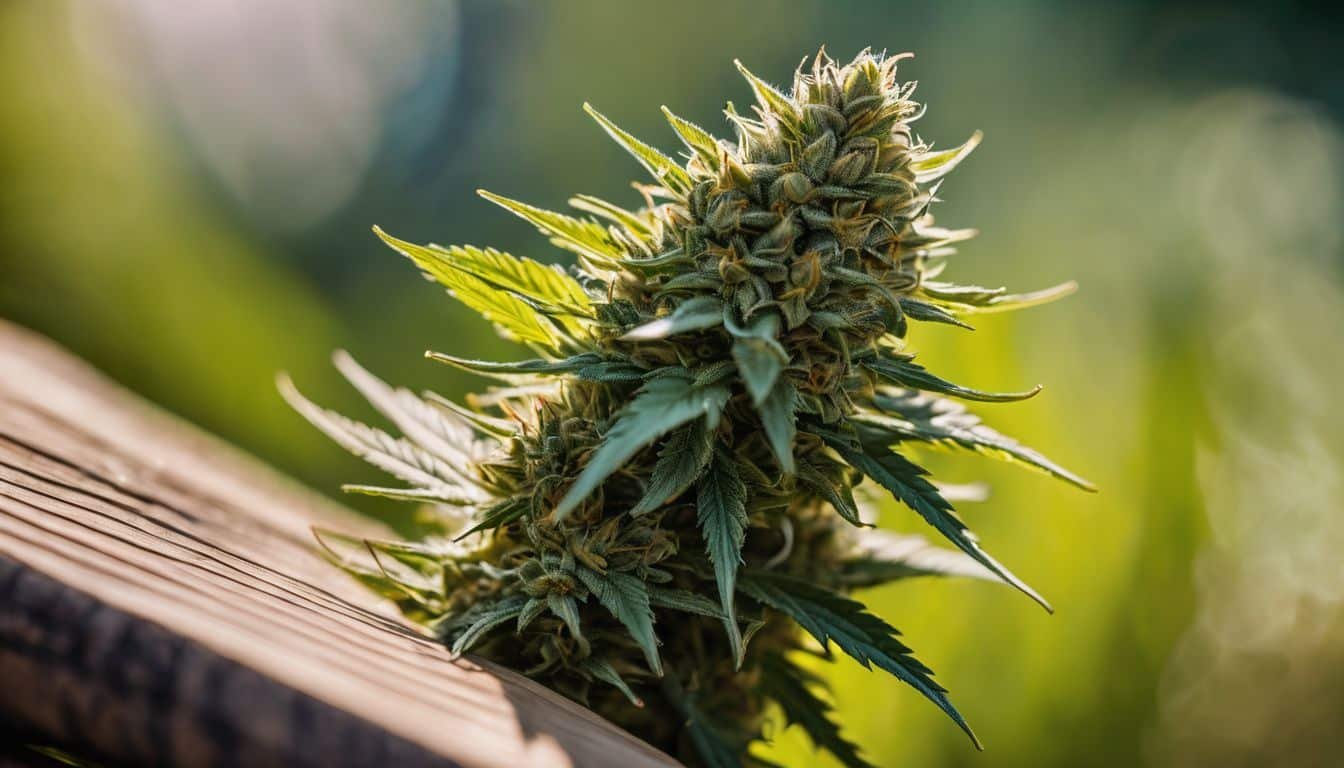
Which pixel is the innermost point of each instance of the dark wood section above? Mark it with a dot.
(161, 603)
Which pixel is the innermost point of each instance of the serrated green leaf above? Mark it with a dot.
(482, 618)
(769, 97)
(613, 372)
(932, 166)
(694, 314)
(696, 139)
(549, 287)
(837, 494)
(511, 371)
(869, 640)
(502, 513)
(627, 599)
(566, 608)
(633, 223)
(790, 686)
(684, 601)
(534, 608)
(912, 415)
(586, 238)
(660, 406)
(931, 313)
(908, 373)
(907, 482)
(663, 168)
(722, 513)
(778, 419)
(680, 462)
(512, 316)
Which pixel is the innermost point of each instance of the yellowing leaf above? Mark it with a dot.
(512, 316)
(586, 238)
(663, 168)
(547, 286)
(934, 165)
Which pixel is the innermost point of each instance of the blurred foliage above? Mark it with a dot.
(1182, 161)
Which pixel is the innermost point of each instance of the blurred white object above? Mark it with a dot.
(285, 103)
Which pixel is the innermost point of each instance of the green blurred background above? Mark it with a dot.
(187, 191)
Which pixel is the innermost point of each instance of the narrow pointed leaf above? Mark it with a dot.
(435, 495)
(696, 139)
(695, 314)
(444, 435)
(869, 640)
(907, 482)
(790, 686)
(396, 456)
(661, 406)
(489, 616)
(912, 415)
(759, 356)
(634, 223)
(663, 168)
(684, 601)
(837, 494)
(769, 97)
(883, 556)
(934, 165)
(990, 300)
(514, 317)
(627, 599)
(548, 286)
(908, 373)
(721, 511)
(778, 419)
(930, 313)
(511, 371)
(680, 462)
(586, 238)
(502, 513)
(602, 670)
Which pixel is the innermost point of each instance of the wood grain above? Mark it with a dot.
(161, 603)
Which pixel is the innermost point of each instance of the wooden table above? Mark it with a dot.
(161, 603)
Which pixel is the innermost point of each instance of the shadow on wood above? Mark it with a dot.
(161, 603)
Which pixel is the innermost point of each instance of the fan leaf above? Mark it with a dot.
(722, 513)
(869, 640)
(907, 482)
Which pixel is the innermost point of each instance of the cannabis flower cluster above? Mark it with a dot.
(656, 515)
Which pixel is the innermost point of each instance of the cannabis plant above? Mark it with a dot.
(656, 515)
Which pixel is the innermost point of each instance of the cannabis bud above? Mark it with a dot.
(657, 513)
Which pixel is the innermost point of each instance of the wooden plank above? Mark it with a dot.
(161, 603)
